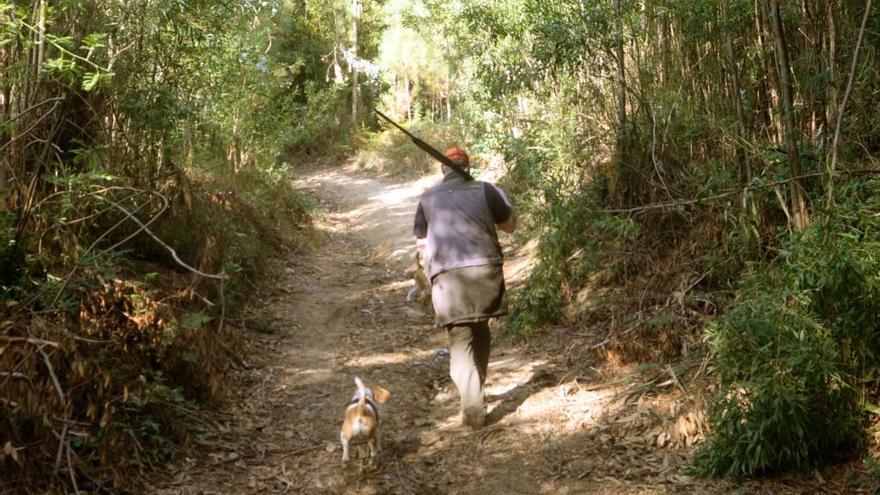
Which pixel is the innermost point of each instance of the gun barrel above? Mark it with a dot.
(427, 148)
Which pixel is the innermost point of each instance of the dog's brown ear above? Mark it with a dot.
(380, 393)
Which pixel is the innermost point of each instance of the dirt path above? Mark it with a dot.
(340, 311)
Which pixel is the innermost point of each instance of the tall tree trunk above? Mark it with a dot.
(5, 114)
(409, 102)
(620, 77)
(446, 94)
(831, 96)
(842, 110)
(355, 96)
(666, 51)
(799, 212)
(745, 172)
(41, 41)
(813, 48)
(187, 146)
(822, 95)
(761, 21)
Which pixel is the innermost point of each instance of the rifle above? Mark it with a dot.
(430, 150)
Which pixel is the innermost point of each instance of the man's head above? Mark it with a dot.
(459, 156)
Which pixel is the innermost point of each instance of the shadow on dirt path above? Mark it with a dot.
(339, 311)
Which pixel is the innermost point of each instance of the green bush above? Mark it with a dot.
(573, 232)
(793, 353)
(783, 402)
(318, 125)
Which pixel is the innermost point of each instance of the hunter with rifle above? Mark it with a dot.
(456, 230)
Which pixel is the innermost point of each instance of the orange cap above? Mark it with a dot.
(458, 155)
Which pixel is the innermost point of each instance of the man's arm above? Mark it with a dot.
(420, 224)
(508, 225)
(501, 208)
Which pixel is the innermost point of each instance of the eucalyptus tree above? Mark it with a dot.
(417, 55)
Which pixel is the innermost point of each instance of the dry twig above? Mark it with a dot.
(728, 193)
(61, 443)
(30, 340)
(219, 276)
(53, 375)
(14, 374)
(71, 471)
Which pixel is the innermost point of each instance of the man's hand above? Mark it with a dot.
(508, 225)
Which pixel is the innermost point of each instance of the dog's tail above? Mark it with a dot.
(362, 395)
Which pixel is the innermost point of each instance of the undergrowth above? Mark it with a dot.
(108, 345)
(796, 353)
(573, 234)
(564, 213)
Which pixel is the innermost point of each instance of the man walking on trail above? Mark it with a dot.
(455, 229)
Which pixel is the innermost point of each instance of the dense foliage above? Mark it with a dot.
(795, 347)
(716, 138)
(146, 147)
(143, 184)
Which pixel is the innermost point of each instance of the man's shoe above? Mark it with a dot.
(475, 421)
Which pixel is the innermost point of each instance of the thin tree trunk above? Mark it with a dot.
(761, 14)
(415, 91)
(446, 94)
(813, 48)
(188, 151)
(232, 155)
(831, 93)
(5, 114)
(620, 77)
(666, 52)
(823, 126)
(849, 86)
(355, 97)
(745, 172)
(798, 196)
(41, 40)
(408, 98)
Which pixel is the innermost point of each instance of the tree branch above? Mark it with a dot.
(687, 202)
(53, 375)
(219, 276)
(849, 85)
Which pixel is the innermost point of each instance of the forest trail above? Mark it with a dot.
(338, 310)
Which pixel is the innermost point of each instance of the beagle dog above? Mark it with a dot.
(361, 422)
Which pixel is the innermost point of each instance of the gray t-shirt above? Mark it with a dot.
(458, 218)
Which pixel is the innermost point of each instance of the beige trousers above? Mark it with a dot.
(469, 345)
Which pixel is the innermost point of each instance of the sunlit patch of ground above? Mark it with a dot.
(383, 217)
(388, 358)
(520, 263)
